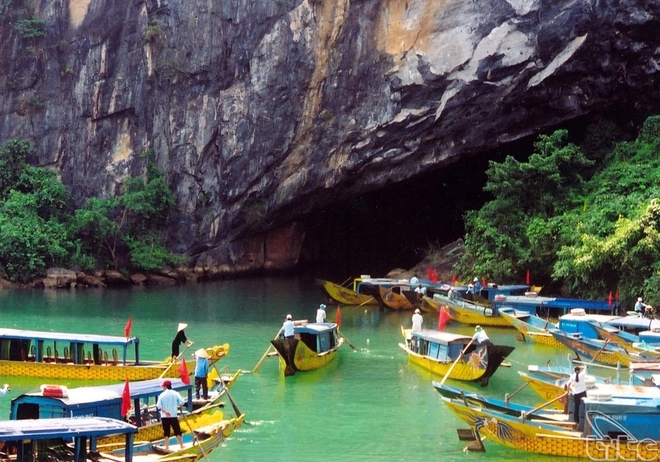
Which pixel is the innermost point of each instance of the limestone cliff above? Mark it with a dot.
(260, 111)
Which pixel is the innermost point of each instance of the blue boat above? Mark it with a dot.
(46, 439)
(55, 401)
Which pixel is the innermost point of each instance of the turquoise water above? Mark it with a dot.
(368, 405)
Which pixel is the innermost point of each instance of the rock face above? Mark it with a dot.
(262, 111)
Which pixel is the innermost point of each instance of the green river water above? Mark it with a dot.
(369, 405)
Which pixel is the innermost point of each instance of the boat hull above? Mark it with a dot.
(346, 296)
(395, 301)
(474, 314)
(90, 372)
(476, 362)
(296, 356)
(532, 328)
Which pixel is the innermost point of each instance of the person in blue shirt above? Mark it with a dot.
(477, 287)
(201, 373)
(168, 404)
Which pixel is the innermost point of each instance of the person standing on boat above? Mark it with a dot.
(476, 287)
(417, 321)
(320, 314)
(577, 386)
(179, 339)
(480, 337)
(201, 373)
(288, 327)
(168, 404)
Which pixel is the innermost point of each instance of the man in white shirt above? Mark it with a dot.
(417, 321)
(288, 327)
(320, 314)
(577, 386)
(480, 337)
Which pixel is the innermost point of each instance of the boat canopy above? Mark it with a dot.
(26, 434)
(102, 400)
(444, 338)
(32, 345)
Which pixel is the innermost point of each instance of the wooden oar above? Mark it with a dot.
(347, 340)
(256, 368)
(524, 414)
(224, 385)
(175, 361)
(192, 430)
(456, 362)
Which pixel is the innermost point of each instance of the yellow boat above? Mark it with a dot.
(532, 327)
(347, 296)
(394, 297)
(467, 312)
(55, 401)
(444, 353)
(58, 355)
(313, 346)
(614, 427)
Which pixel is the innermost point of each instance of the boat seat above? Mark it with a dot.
(115, 358)
(105, 358)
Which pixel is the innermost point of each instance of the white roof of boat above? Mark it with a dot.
(316, 327)
(66, 337)
(61, 427)
(441, 337)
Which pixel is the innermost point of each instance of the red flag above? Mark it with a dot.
(338, 317)
(483, 281)
(443, 319)
(183, 371)
(125, 399)
(127, 329)
(527, 279)
(609, 299)
(434, 276)
(453, 279)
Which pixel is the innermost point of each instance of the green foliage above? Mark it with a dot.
(586, 228)
(31, 27)
(37, 229)
(130, 228)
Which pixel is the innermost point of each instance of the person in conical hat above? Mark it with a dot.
(179, 339)
(201, 373)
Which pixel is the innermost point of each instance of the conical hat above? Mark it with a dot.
(181, 326)
(201, 353)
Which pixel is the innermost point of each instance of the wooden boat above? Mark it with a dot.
(531, 327)
(439, 351)
(314, 345)
(198, 443)
(55, 401)
(485, 309)
(58, 355)
(347, 296)
(616, 426)
(502, 405)
(62, 438)
(399, 297)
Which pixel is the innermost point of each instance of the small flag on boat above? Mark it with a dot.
(183, 371)
(338, 317)
(434, 276)
(609, 299)
(125, 399)
(443, 319)
(527, 279)
(127, 329)
(453, 279)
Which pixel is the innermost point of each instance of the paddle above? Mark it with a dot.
(524, 414)
(224, 385)
(176, 360)
(195, 436)
(263, 358)
(347, 340)
(456, 362)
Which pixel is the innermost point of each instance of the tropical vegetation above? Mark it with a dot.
(583, 220)
(40, 227)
